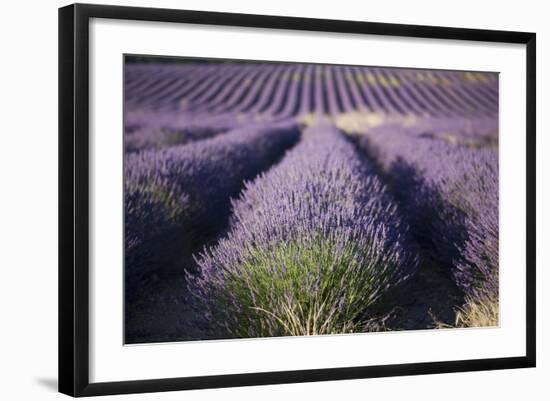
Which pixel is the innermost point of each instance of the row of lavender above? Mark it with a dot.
(178, 197)
(449, 194)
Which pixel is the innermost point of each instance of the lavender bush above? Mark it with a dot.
(314, 243)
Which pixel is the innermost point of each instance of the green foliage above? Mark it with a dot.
(305, 287)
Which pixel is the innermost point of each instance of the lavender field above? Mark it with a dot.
(277, 199)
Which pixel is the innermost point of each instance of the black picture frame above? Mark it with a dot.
(74, 198)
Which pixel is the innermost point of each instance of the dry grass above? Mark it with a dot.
(478, 313)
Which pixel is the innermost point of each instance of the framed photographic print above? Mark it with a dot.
(249, 199)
